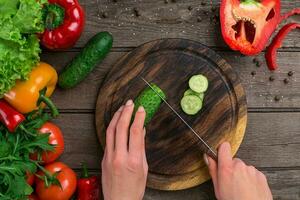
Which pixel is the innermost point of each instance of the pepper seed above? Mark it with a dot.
(253, 73)
(190, 8)
(271, 78)
(286, 81)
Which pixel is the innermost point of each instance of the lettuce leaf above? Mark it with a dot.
(20, 20)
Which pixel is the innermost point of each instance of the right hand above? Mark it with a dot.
(234, 180)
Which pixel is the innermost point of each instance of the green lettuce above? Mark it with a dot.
(20, 20)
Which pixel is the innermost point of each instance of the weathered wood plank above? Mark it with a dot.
(271, 140)
(284, 184)
(260, 91)
(156, 19)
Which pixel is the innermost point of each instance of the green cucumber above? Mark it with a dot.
(191, 104)
(198, 83)
(94, 51)
(191, 92)
(150, 101)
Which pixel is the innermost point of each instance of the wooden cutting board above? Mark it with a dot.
(175, 156)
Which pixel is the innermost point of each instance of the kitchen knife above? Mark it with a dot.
(210, 150)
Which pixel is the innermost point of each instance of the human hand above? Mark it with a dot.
(234, 180)
(124, 165)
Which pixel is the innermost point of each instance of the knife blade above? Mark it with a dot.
(210, 151)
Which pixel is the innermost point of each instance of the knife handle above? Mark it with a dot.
(212, 154)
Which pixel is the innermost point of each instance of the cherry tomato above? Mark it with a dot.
(56, 139)
(33, 197)
(67, 178)
(29, 178)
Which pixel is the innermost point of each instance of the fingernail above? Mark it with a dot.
(141, 109)
(121, 108)
(129, 102)
(205, 159)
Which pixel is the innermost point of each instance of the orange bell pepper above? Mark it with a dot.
(28, 95)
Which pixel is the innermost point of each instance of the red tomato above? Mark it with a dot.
(67, 178)
(33, 197)
(29, 178)
(56, 139)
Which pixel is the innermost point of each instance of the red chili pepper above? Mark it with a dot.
(11, 118)
(88, 187)
(64, 20)
(248, 24)
(295, 11)
(271, 54)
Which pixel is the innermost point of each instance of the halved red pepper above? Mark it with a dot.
(271, 54)
(64, 23)
(248, 24)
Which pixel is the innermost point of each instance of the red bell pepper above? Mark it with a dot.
(248, 24)
(64, 22)
(271, 54)
(88, 187)
(11, 118)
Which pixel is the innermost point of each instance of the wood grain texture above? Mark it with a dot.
(159, 20)
(260, 91)
(174, 155)
(284, 185)
(272, 143)
(272, 138)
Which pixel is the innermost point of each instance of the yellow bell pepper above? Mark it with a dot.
(28, 95)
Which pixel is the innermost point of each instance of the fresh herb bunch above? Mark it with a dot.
(15, 150)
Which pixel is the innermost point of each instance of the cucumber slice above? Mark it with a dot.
(191, 92)
(198, 83)
(191, 104)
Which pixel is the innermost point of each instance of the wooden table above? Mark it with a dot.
(272, 141)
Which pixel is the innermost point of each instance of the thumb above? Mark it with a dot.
(213, 171)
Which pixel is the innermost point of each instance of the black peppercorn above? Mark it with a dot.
(104, 15)
(136, 12)
(253, 73)
(271, 78)
(291, 73)
(277, 98)
(286, 81)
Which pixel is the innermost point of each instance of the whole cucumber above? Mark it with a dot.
(94, 51)
(150, 101)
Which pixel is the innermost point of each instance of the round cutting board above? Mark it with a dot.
(174, 155)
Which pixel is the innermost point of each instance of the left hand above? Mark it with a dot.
(124, 165)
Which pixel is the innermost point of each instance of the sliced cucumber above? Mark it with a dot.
(191, 104)
(198, 83)
(191, 92)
